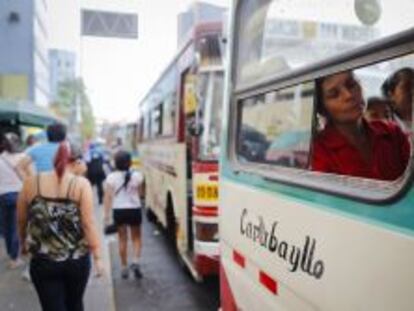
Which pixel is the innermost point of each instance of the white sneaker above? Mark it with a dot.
(26, 274)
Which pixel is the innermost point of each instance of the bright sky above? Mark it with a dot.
(118, 72)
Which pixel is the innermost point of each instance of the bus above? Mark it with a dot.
(294, 237)
(179, 127)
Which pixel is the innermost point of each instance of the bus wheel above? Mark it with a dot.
(151, 216)
(171, 224)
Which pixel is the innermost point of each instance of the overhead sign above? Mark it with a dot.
(109, 24)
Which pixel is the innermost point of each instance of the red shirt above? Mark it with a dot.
(332, 153)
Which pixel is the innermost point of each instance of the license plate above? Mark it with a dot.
(207, 192)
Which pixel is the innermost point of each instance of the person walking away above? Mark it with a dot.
(41, 155)
(11, 182)
(123, 189)
(57, 227)
(96, 173)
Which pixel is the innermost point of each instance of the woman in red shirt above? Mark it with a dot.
(350, 145)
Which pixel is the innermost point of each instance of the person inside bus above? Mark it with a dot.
(378, 108)
(349, 144)
(399, 89)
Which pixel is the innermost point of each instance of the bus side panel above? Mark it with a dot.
(306, 258)
(165, 172)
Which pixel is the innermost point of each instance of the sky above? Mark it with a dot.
(119, 72)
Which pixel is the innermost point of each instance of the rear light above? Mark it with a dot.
(206, 232)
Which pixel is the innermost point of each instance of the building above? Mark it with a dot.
(62, 66)
(196, 13)
(24, 66)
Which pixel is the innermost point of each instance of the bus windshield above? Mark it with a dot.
(277, 36)
(211, 97)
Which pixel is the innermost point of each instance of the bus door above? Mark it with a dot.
(189, 99)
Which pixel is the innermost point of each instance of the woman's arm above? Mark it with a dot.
(88, 219)
(22, 203)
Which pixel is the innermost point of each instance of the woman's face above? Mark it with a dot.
(342, 97)
(402, 95)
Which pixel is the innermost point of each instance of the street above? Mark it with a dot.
(165, 285)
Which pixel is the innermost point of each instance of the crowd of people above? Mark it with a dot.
(47, 212)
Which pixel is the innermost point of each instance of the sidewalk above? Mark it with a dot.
(17, 294)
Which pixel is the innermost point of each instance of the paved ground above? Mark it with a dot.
(165, 285)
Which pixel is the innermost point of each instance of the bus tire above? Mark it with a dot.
(150, 216)
(171, 223)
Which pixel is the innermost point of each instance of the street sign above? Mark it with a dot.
(109, 24)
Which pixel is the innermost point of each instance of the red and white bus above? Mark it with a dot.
(179, 131)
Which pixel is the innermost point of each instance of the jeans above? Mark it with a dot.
(60, 285)
(8, 218)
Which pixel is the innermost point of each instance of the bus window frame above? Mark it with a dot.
(389, 48)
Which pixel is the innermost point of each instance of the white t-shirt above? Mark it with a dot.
(126, 197)
(9, 181)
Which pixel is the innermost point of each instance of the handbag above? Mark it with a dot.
(110, 229)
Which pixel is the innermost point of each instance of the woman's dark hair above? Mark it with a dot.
(123, 163)
(392, 81)
(56, 132)
(320, 107)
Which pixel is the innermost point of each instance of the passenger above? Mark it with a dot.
(349, 145)
(399, 88)
(378, 109)
(123, 189)
(95, 160)
(11, 182)
(42, 155)
(57, 227)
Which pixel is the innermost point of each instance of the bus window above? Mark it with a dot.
(348, 143)
(285, 35)
(168, 120)
(276, 127)
(211, 96)
(293, 127)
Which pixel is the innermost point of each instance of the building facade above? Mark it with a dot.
(62, 66)
(24, 65)
(196, 13)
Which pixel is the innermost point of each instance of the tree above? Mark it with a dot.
(70, 94)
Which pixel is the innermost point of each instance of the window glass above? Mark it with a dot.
(356, 123)
(281, 35)
(211, 99)
(276, 127)
(169, 115)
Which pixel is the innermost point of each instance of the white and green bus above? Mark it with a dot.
(293, 237)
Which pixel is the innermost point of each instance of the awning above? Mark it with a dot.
(25, 113)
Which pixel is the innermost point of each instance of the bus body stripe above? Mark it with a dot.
(239, 259)
(268, 282)
(209, 211)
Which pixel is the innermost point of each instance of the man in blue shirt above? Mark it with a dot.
(42, 155)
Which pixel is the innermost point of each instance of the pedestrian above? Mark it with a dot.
(41, 155)
(11, 182)
(57, 227)
(96, 173)
(123, 189)
(30, 140)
